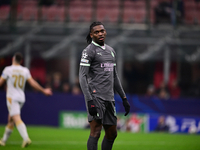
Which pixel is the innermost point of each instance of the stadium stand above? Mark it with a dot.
(64, 23)
(82, 11)
(4, 12)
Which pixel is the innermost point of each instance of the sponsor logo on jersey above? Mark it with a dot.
(107, 66)
(84, 55)
(84, 60)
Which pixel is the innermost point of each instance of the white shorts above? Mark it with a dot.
(14, 107)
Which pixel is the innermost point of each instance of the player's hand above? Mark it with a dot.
(126, 106)
(92, 108)
(48, 92)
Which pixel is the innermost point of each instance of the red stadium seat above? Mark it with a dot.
(38, 73)
(108, 4)
(77, 14)
(198, 17)
(189, 5)
(30, 13)
(153, 3)
(4, 12)
(139, 16)
(107, 15)
(128, 15)
(44, 11)
(29, 3)
(152, 16)
(134, 15)
(55, 13)
(190, 17)
(128, 4)
(139, 4)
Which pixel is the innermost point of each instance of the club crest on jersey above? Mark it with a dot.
(84, 60)
(84, 55)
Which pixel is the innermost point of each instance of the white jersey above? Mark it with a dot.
(16, 77)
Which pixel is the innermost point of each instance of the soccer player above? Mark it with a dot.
(98, 78)
(16, 76)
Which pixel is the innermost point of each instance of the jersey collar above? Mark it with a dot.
(103, 47)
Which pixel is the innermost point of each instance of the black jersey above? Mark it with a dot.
(97, 74)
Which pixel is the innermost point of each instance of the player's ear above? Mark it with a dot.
(91, 35)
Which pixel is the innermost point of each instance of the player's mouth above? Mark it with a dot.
(101, 38)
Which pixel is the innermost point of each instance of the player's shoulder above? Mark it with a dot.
(90, 49)
(109, 47)
(21, 68)
(24, 68)
(7, 68)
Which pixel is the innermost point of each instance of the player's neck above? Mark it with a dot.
(15, 64)
(103, 47)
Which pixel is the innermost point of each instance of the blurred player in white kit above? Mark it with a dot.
(15, 77)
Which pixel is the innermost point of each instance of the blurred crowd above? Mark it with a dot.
(138, 78)
(164, 91)
(147, 79)
(58, 83)
(165, 13)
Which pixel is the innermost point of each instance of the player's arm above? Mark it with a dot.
(35, 85)
(2, 81)
(86, 59)
(87, 56)
(4, 76)
(83, 73)
(120, 91)
(117, 84)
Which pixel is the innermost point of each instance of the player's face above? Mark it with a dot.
(98, 34)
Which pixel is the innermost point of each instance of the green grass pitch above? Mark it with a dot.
(51, 138)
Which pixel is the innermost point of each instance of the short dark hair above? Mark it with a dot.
(96, 23)
(18, 57)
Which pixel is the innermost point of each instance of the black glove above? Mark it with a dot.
(91, 107)
(126, 106)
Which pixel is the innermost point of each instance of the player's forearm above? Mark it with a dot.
(85, 89)
(117, 85)
(35, 85)
(118, 88)
(1, 81)
(84, 84)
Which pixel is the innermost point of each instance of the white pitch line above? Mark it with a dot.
(83, 143)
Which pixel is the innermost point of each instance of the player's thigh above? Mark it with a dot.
(110, 117)
(95, 128)
(14, 108)
(110, 131)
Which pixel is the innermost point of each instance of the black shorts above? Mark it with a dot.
(106, 112)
